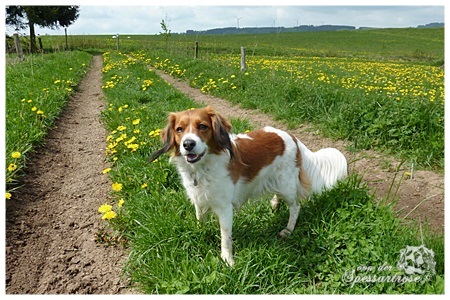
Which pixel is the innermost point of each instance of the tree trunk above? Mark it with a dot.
(33, 48)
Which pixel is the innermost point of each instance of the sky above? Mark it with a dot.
(137, 17)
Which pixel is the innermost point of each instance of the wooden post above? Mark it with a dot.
(40, 44)
(67, 43)
(18, 46)
(118, 44)
(243, 65)
(196, 50)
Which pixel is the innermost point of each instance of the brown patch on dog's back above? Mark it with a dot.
(255, 153)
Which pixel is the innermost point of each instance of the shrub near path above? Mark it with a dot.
(52, 221)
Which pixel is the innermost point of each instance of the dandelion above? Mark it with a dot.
(12, 167)
(104, 208)
(8, 196)
(34, 108)
(16, 154)
(109, 215)
(121, 128)
(57, 81)
(117, 187)
(107, 170)
(144, 185)
(40, 112)
(136, 122)
(121, 202)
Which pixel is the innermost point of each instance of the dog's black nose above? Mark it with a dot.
(189, 144)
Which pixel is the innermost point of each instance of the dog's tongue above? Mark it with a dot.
(191, 157)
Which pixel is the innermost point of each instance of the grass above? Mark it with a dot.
(338, 233)
(342, 236)
(393, 107)
(36, 93)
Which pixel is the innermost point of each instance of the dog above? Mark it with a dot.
(221, 170)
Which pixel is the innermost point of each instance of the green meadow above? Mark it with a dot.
(342, 83)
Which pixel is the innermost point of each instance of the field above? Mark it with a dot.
(393, 76)
(387, 96)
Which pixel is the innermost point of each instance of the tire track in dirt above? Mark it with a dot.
(425, 190)
(52, 221)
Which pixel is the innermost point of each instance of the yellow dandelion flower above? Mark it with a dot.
(34, 108)
(121, 202)
(117, 187)
(109, 215)
(144, 185)
(8, 196)
(121, 128)
(107, 170)
(104, 208)
(57, 81)
(40, 112)
(135, 122)
(16, 154)
(12, 167)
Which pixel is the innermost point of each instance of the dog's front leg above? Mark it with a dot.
(225, 215)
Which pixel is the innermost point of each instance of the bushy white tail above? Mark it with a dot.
(324, 167)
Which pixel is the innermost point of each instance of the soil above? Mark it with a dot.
(52, 223)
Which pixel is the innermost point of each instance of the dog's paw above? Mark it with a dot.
(228, 259)
(284, 233)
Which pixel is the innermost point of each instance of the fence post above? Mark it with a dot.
(243, 65)
(18, 46)
(118, 44)
(40, 45)
(67, 43)
(196, 50)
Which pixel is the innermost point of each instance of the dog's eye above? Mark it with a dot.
(179, 129)
(202, 127)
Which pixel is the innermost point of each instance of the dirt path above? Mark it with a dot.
(52, 222)
(377, 170)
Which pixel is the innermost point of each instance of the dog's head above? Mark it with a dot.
(194, 133)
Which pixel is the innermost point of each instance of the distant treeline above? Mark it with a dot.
(302, 28)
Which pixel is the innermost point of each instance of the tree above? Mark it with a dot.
(52, 17)
(166, 31)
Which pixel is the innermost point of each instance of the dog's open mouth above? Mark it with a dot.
(193, 158)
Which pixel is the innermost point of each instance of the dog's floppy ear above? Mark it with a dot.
(221, 129)
(168, 137)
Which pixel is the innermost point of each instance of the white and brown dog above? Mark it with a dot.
(220, 170)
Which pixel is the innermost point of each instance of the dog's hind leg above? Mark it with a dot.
(275, 202)
(294, 210)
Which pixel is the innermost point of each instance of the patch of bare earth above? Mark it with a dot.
(419, 199)
(52, 221)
